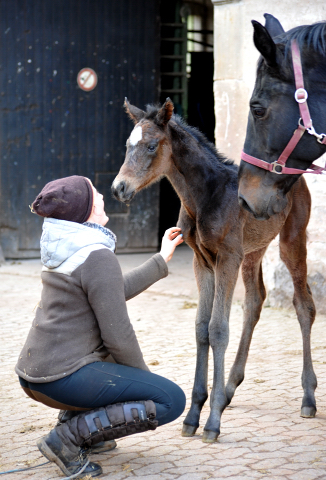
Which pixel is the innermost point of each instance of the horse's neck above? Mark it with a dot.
(189, 173)
(180, 185)
(183, 163)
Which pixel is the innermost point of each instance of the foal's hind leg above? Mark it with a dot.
(205, 283)
(294, 254)
(254, 299)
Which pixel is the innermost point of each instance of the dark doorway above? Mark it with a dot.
(200, 93)
(187, 78)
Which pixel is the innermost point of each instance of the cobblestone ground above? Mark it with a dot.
(262, 435)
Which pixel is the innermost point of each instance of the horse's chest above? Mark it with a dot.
(258, 234)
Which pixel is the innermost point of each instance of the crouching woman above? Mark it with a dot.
(82, 321)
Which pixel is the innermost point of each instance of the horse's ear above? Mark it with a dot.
(264, 43)
(136, 114)
(165, 113)
(273, 25)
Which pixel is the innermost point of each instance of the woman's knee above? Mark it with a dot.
(174, 408)
(180, 400)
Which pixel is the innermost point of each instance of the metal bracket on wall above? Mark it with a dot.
(173, 65)
(222, 2)
(2, 258)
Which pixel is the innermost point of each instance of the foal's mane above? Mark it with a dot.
(151, 112)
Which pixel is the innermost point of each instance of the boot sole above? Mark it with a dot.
(47, 452)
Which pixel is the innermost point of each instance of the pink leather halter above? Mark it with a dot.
(301, 96)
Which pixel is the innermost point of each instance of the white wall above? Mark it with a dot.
(234, 76)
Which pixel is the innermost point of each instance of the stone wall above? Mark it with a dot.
(234, 76)
(276, 276)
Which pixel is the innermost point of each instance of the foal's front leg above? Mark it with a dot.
(226, 274)
(205, 283)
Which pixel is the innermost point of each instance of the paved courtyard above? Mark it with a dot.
(262, 435)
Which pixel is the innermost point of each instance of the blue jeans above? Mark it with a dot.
(101, 383)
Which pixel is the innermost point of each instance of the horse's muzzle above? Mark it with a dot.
(259, 216)
(265, 207)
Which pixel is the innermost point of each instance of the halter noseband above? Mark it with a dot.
(301, 96)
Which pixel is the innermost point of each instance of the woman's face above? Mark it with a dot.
(98, 214)
(98, 208)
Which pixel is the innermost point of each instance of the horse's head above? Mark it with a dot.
(274, 113)
(148, 150)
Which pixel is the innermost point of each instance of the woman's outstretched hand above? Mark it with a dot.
(171, 239)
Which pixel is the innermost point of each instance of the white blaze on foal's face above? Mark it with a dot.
(136, 135)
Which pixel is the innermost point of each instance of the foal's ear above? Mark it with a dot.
(273, 25)
(165, 113)
(136, 114)
(264, 43)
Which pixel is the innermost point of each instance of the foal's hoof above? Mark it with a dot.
(308, 412)
(188, 430)
(209, 436)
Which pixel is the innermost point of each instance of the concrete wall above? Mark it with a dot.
(234, 76)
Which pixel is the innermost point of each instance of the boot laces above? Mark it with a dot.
(84, 460)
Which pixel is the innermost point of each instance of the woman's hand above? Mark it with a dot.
(170, 240)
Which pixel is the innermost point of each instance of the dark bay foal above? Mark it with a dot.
(223, 236)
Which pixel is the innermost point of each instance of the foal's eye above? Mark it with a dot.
(151, 148)
(259, 112)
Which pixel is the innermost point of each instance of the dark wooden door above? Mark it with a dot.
(50, 128)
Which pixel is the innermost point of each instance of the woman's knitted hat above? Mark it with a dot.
(69, 198)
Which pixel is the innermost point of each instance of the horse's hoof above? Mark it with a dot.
(209, 436)
(188, 430)
(308, 412)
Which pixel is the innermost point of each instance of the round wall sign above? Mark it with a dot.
(87, 79)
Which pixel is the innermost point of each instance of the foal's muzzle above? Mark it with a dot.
(122, 192)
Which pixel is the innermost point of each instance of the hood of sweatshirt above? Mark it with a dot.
(62, 239)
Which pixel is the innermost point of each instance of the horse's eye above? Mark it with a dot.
(151, 148)
(259, 112)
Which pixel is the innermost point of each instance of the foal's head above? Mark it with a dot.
(148, 150)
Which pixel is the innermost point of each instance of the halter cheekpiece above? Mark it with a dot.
(301, 96)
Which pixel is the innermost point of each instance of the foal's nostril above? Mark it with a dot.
(118, 190)
(121, 188)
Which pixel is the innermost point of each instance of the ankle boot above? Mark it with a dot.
(101, 447)
(69, 457)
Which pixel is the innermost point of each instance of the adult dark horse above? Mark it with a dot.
(284, 92)
(222, 236)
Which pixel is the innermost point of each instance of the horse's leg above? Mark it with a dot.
(293, 252)
(226, 274)
(205, 283)
(255, 295)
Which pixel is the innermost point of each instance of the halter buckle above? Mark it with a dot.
(301, 95)
(277, 166)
